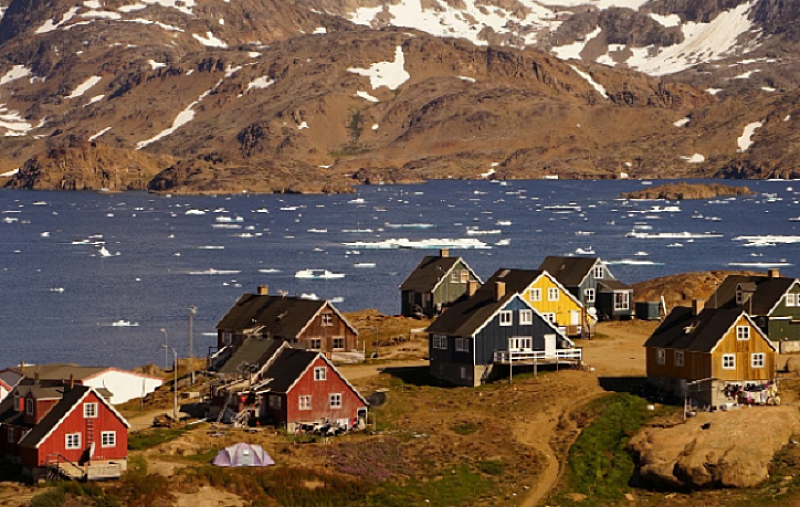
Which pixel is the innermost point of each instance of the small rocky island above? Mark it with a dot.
(682, 191)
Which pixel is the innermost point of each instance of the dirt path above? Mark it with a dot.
(362, 371)
(544, 424)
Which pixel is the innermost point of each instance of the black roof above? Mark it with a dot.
(281, 316)
(59, 410)
(613, 285)
(569, 271)
(683, 330)
(766, 292)
(287, 368)
(253, 350)
(7, 413)
(426, 276)
(465, 316)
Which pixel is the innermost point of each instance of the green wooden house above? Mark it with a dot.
(435, 284)
(772, 300)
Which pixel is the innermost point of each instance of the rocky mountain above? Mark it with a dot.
(314, 96)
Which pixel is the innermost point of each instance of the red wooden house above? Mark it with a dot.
(305, 387)
(70, 429)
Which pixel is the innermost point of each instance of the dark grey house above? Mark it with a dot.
(436, 283)
(773, 301)
(493, 327)
(590, 280)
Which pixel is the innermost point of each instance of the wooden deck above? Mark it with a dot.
(569, 356)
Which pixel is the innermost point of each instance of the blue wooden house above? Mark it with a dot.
(492, 328)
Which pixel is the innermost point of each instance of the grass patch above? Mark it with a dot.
(51, 498)
(600, 466)
(148, 439)
(492, 466)
(467, 428)
(459, 486)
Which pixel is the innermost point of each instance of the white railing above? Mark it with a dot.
(505, 356)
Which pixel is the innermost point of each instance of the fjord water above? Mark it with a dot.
(158, 260)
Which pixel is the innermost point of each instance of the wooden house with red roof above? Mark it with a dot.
(63, 429)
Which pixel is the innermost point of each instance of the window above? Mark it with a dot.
(29, 407)
(463, 372)
(728, 361)
(89, 410)
(304, 402)
(550, 317)
(661, 356)
(525, 317)
(327, 319)
(742, 333)
(464, 276)
(338, 343)
(274, 401)
(622, 301)
(598, 271)
(454, 277)
(518, 344)
(791, 300)
(536, 295)
(227, 338)
(757, 360)
(679, 358)
(335, 400)
(552, 294)
(10, 435)
(16, 402)
(506, 318)
(462, 344)
(320, 373)
(588, 295)
(108, 439)
(315, 343)
(739, 297)
(439, 342)
(73, 441)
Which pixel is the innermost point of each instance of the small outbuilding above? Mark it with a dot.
(243, 455)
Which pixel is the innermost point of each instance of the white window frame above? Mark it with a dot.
(335, 401)
(536, 295)
(29, 406)
(454, 276)
(552, 294)
(758, 360)
(90, 410)
(274, 401)
(742, 333)
(739, 297)
(339, 339)
(315, 341)
(661, 356)
(589, 295)
(525, 317)
(108, 439)
(320, 373)
(599, 272)
(439, 342)
(506, 318)
(625, 304)
(791, 299)
(462, 344)
(679, 358)
(550, 317)
(464, 276)
(327, 319)
(520, 343)
(227, 338)
(304, 402)
(728, 361)
(72, 441)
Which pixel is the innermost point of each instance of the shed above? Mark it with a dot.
(648, 310)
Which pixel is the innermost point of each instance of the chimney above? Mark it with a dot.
(444, 252)
(36, 377)
(774, 273)
(22, 367)
(71, 381)
(263, 290)
(472, 287)
(499, 290)
(697, 306)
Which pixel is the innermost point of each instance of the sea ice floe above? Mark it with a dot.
(672, 235)
(468, 243)
(318, 274)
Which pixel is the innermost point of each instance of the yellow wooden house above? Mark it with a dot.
(549, 298)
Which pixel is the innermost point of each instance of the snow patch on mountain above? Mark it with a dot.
(573, 51)
(49, 26)
(666, 21)
(745, 140)
(210, 40)
(388, 74)
(84, 87)
(260, 83)
(16, 72)
(14, 124)
(597, 86)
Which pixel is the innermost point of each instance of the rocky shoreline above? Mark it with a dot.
(684, 191)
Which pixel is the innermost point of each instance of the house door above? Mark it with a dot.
(574, 318)
(549, 345)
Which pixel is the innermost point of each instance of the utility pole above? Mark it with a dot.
(192, 310)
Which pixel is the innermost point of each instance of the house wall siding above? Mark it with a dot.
(784, 322)
(495, 337)
(327, 333)
(448, 291)
(560, 308)
(696, 365)
(75, 423)
(742, 350)
(319, 390)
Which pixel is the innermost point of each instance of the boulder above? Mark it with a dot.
(734, 451)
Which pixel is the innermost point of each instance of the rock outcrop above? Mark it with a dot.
(734, 451)
(683, 191)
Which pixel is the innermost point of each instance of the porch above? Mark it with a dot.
(514, 357)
